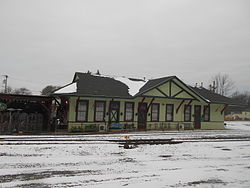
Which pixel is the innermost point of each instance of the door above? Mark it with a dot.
(142, 116)
(197, 116)
(114, 110)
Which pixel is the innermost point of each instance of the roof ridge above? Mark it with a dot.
(165, 77)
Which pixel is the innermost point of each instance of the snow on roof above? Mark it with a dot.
(133, 84)
(70, 88)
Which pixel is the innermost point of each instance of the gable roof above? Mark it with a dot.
(154, 83)
(87, 84)
(90, 85)
(214, 97)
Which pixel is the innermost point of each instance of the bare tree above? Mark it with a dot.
(222, 84)
(18, 91)
(22, 91)
(8, 89)
(243, 98)
(49, 89)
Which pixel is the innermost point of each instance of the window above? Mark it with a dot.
(129, 111)
(206, 113)
(82, 111)
(155, 112)
(99, 110)
(169, 112)
(187, 113)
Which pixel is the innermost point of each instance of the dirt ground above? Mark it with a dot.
(198, 159)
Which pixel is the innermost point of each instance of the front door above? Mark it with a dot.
(114, 111)
(197, 116)
(142, 116)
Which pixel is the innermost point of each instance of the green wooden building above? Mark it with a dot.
(102, 103)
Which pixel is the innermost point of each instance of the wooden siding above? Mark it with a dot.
(216, 118)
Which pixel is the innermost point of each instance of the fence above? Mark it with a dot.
(20, 122)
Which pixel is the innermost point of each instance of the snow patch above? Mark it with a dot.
(70, 88)
(133, 84)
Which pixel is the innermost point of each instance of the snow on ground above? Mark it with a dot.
(238, 125)
(204, 159)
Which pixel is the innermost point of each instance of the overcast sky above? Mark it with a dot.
(45, 42)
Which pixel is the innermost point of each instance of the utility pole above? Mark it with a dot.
(5, 81)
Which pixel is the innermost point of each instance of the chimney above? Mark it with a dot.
(98, 73)
(210, 87)
(201, 85)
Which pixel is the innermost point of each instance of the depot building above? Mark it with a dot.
(105, 103)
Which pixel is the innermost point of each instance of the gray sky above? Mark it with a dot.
(44, 42)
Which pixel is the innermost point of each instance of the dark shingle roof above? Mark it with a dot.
(88, 84)
(214, 97)
(153, 83)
